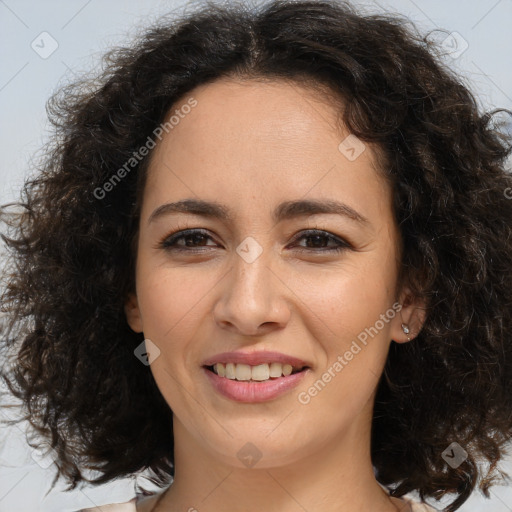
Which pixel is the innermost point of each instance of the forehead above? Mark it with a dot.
(266, 111)
(260, 140)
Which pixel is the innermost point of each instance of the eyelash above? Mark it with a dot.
(169, 242)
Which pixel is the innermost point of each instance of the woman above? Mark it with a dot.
(269, 259)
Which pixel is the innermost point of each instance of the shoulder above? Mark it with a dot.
(138, 504)
(409, 505)
(129, 506)
(146, 504)
(420, 507)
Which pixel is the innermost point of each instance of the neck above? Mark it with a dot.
(338, 476)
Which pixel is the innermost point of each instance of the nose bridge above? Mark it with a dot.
(252, 295)
(251, 273)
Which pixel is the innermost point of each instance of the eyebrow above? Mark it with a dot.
(284, 211)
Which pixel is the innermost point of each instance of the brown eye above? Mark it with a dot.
(320, 239)
(192, 239)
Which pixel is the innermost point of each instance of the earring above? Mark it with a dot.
(406, 330)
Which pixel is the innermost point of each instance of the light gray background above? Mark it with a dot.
(83, 29)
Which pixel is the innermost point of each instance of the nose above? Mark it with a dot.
(253, 299)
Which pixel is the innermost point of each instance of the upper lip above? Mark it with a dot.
(256, 358)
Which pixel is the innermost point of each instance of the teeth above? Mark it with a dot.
(246, 372)
(230, 371)
(220, 369)
(276, 369)
(260, 372)
(242, 372)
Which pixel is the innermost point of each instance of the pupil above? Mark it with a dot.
(193, 238)
(317, 238)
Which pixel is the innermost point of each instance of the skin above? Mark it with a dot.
(251, 145)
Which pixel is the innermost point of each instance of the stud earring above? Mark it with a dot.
(406, 330)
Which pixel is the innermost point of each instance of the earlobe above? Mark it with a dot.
(409, 322)
(132, 312)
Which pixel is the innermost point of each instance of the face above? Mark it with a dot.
(261, 283)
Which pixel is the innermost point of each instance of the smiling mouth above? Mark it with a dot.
(258, 373)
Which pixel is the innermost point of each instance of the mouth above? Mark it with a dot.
(254, 373)
(257, 376)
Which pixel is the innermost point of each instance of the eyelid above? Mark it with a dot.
(183, 232)
(341, 243)
(322, 232)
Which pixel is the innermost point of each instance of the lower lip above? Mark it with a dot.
(251, 391)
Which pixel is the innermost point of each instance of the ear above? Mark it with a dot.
(132, 312)
(412, 315)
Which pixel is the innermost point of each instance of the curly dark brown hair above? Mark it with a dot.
(72, 252)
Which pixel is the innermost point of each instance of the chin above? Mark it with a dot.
(257, 449)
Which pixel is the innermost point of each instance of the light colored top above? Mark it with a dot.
(137, 504)
(147, 504)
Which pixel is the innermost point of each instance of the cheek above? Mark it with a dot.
(345, 301)
(172, 303)
(347, 320)
(343, 390)
(170, 300)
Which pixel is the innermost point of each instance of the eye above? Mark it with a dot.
(191, 238)
(319, 240)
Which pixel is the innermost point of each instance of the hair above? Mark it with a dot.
(72, 254)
